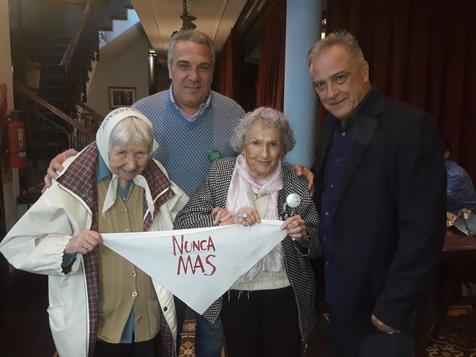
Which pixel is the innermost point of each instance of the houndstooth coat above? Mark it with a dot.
(213, 193)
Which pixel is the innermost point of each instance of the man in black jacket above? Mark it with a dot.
(380, 182)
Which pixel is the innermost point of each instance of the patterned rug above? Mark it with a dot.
(187, 347)
(455, 335)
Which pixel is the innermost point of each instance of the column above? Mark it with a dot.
(303, 22)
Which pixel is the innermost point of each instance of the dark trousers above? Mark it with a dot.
(262, 323)
(349, 344)
(137, 349)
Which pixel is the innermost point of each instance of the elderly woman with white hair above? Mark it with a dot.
(270, 310)
(99, 303)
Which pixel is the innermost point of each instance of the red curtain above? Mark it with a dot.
(249, 84)
(227, 67)
(422, 52)
(270, 81)
(233, 77)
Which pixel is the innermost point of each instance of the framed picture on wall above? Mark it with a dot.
(121, 96)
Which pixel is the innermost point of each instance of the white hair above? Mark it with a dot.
(272, 118)
(135, 129)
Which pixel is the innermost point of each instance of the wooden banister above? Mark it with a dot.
(51, 108)
(94, 115)
(73, 45)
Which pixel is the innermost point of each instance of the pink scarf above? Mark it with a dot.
(243, 192)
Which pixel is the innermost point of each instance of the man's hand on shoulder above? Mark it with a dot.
(56, 166)
(301, 170)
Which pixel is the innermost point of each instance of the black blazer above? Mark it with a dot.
(390, 214)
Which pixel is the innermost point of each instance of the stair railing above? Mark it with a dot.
(84, 48)
(84, 131)
(49, 131)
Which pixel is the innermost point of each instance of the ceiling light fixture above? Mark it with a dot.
(187, 19)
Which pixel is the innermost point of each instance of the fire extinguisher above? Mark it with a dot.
(16, 140)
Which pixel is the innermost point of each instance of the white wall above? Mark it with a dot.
(10, 179)
(122, 63)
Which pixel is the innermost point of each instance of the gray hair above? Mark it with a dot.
(193, 36)
(270, 117)
(343, 38)
(135, 129)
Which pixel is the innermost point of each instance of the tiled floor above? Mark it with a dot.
(187, 343)
(188, 340)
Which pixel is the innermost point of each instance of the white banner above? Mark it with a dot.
(198, 265)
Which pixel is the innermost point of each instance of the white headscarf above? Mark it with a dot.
(103, 136)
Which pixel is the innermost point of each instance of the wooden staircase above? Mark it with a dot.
(52, 79)
(49, 131)
(56, 117)
(84, 47)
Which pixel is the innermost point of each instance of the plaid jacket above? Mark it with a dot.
(80, 178)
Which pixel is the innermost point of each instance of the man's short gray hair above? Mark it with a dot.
(193, 36)
(270, 117)
(343, 38)
(135, 129)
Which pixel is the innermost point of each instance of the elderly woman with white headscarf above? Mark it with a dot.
(270, 310)
(99, 303)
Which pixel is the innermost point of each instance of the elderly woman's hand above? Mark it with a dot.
(296, 228)
(247, 216)
(84, 242)
(221, 217)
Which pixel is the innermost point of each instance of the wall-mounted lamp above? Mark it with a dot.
(323, 28)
